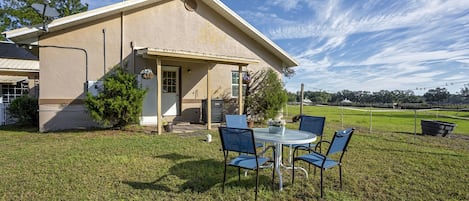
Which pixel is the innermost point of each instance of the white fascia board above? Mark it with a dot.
(239, 22)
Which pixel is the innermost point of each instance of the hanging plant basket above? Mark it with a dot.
(246, 79)
(147, 74)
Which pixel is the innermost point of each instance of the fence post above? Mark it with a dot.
(302, 97)
(371, 120)
(342, 115)
(415, 123)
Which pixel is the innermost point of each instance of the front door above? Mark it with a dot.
(170, 91)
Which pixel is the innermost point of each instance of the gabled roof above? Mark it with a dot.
(12, 51)
(19, 65)
(30, 34)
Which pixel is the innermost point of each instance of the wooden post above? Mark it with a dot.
(159, 88)
(209, 100)
(240, 90)
(302, 97)
(371, 119)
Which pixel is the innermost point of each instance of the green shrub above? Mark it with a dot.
(25, 109)
(120, 101)
(265, 95)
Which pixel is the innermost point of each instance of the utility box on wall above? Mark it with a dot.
(217, 111)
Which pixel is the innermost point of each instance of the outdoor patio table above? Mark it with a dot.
(290, 136)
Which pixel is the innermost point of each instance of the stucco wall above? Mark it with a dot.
(164, 25)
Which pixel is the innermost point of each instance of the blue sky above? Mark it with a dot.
(365, 44)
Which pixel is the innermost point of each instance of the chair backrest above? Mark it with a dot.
(312, 124)
(237, 139)
(236, 121)
(340, 141)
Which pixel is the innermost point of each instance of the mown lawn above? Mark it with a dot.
(131, 165)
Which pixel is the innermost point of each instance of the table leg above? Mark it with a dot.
(290, 158)
(278, 161)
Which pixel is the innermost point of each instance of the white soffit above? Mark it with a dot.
(7, 79)
(181, 54)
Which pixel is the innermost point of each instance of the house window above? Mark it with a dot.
(11, 92)
(235, 83)
(169, 82)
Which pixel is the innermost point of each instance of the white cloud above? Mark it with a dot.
(401, 45)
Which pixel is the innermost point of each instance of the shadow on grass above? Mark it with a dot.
(199, 176)
(148, 185)
(20, 128)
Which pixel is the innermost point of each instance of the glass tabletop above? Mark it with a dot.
(291, 136)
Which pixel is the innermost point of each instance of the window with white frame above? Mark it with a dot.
(169, 82)
(11, 92)
(235, 83)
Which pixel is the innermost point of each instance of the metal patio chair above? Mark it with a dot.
(241, 141)
(338, 145)
(311, 124)
(238, 121)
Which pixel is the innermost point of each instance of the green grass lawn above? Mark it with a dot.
(387, 164)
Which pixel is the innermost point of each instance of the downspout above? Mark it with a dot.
(122, 40)
(104, 51)
(73, 48)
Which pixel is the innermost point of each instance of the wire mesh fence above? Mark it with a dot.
(379, 120)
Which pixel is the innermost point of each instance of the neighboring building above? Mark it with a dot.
(19, 76)
(195, 48)
(19, 72)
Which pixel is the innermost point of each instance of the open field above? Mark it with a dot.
(390, 163)
(383, 120)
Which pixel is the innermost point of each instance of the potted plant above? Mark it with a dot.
(167, 126)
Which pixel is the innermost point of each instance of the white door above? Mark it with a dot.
(170, 93)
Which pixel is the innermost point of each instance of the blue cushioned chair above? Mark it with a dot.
(311, 124)
(238, 121)
(241, 141)
(338, 145)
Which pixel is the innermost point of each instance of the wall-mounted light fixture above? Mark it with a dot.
(189, 71)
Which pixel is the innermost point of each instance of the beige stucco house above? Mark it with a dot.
(196, 49)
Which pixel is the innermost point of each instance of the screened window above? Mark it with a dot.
(235, 83)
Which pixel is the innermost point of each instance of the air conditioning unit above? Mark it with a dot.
(94, 87)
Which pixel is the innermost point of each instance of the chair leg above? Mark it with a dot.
(282, 156)
(224, 179)
(239, 174)
(257, 180)
(322, 170)
(273, 175)
(293, 172)
(340, 175)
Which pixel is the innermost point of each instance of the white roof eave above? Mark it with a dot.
(30, 34)
(239, 22)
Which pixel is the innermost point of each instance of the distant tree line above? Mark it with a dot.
(435, 96)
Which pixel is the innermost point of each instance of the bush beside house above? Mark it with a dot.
(119, 102)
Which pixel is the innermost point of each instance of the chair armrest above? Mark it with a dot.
(319, 144)
(302, 147)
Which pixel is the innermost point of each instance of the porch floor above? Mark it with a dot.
(184, 127)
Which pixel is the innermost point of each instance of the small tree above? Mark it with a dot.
(25, 109)
(265, 95)
(119, 103)
(436, 95)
